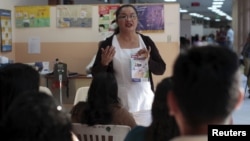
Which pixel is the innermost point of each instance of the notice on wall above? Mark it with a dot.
(34, 45)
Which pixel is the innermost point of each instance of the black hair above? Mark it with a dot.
(36, 116)
(206, 84)
(102, 95)
(101, 25)
(16, 79)
(163, 126)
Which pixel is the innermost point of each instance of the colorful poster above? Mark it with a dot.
(151, 18)
(32, 16)
(74, 16)
(107, 18)
(6, 30)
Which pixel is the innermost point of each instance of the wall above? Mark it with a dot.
(185, 25)
(76, 46)
(185, 28)
(207, 31)
(89, 2)
(197, 29)
(9, 5)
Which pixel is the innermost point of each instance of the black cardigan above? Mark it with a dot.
(156, 64)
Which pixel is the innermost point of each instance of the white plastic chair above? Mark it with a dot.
(100, 132)
(81, 94)
(45, 90)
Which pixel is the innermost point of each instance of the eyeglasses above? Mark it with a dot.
(125, 17)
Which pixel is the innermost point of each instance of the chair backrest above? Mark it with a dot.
(100, 132)
(81, 94)
(45, 90)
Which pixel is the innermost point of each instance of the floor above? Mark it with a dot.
(242, 115)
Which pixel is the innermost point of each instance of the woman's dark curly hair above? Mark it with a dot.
(163, 126)
(102, 95)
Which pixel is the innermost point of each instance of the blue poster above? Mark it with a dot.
(151, 18)
(6, 30)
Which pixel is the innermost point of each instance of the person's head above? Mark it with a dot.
(76, 111)
(14, 80)
(126, 18)
(35, 116)
(204, 38)
(101, 27)
(102, 94)
(163, 126)
(206, 87)
(228, 27)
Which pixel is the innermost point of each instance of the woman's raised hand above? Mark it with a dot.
(107, 55)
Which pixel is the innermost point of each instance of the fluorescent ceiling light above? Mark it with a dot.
(217, 6)
(220, 12)
(219, 0)
(170, 0)
(196, 15)
(207, 18)
(217, 3)
(183, 10)
(211, 8)
(229, 18)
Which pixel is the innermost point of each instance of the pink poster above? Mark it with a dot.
(107, 18)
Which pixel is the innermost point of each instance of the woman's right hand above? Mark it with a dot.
(107, 55)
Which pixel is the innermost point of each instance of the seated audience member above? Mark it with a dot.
(35, 116)
(163, 126)
(206, 90)
(15, 79)
(103, 105)
(76, 111)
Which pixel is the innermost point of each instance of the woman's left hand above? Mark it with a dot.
(144, 53)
